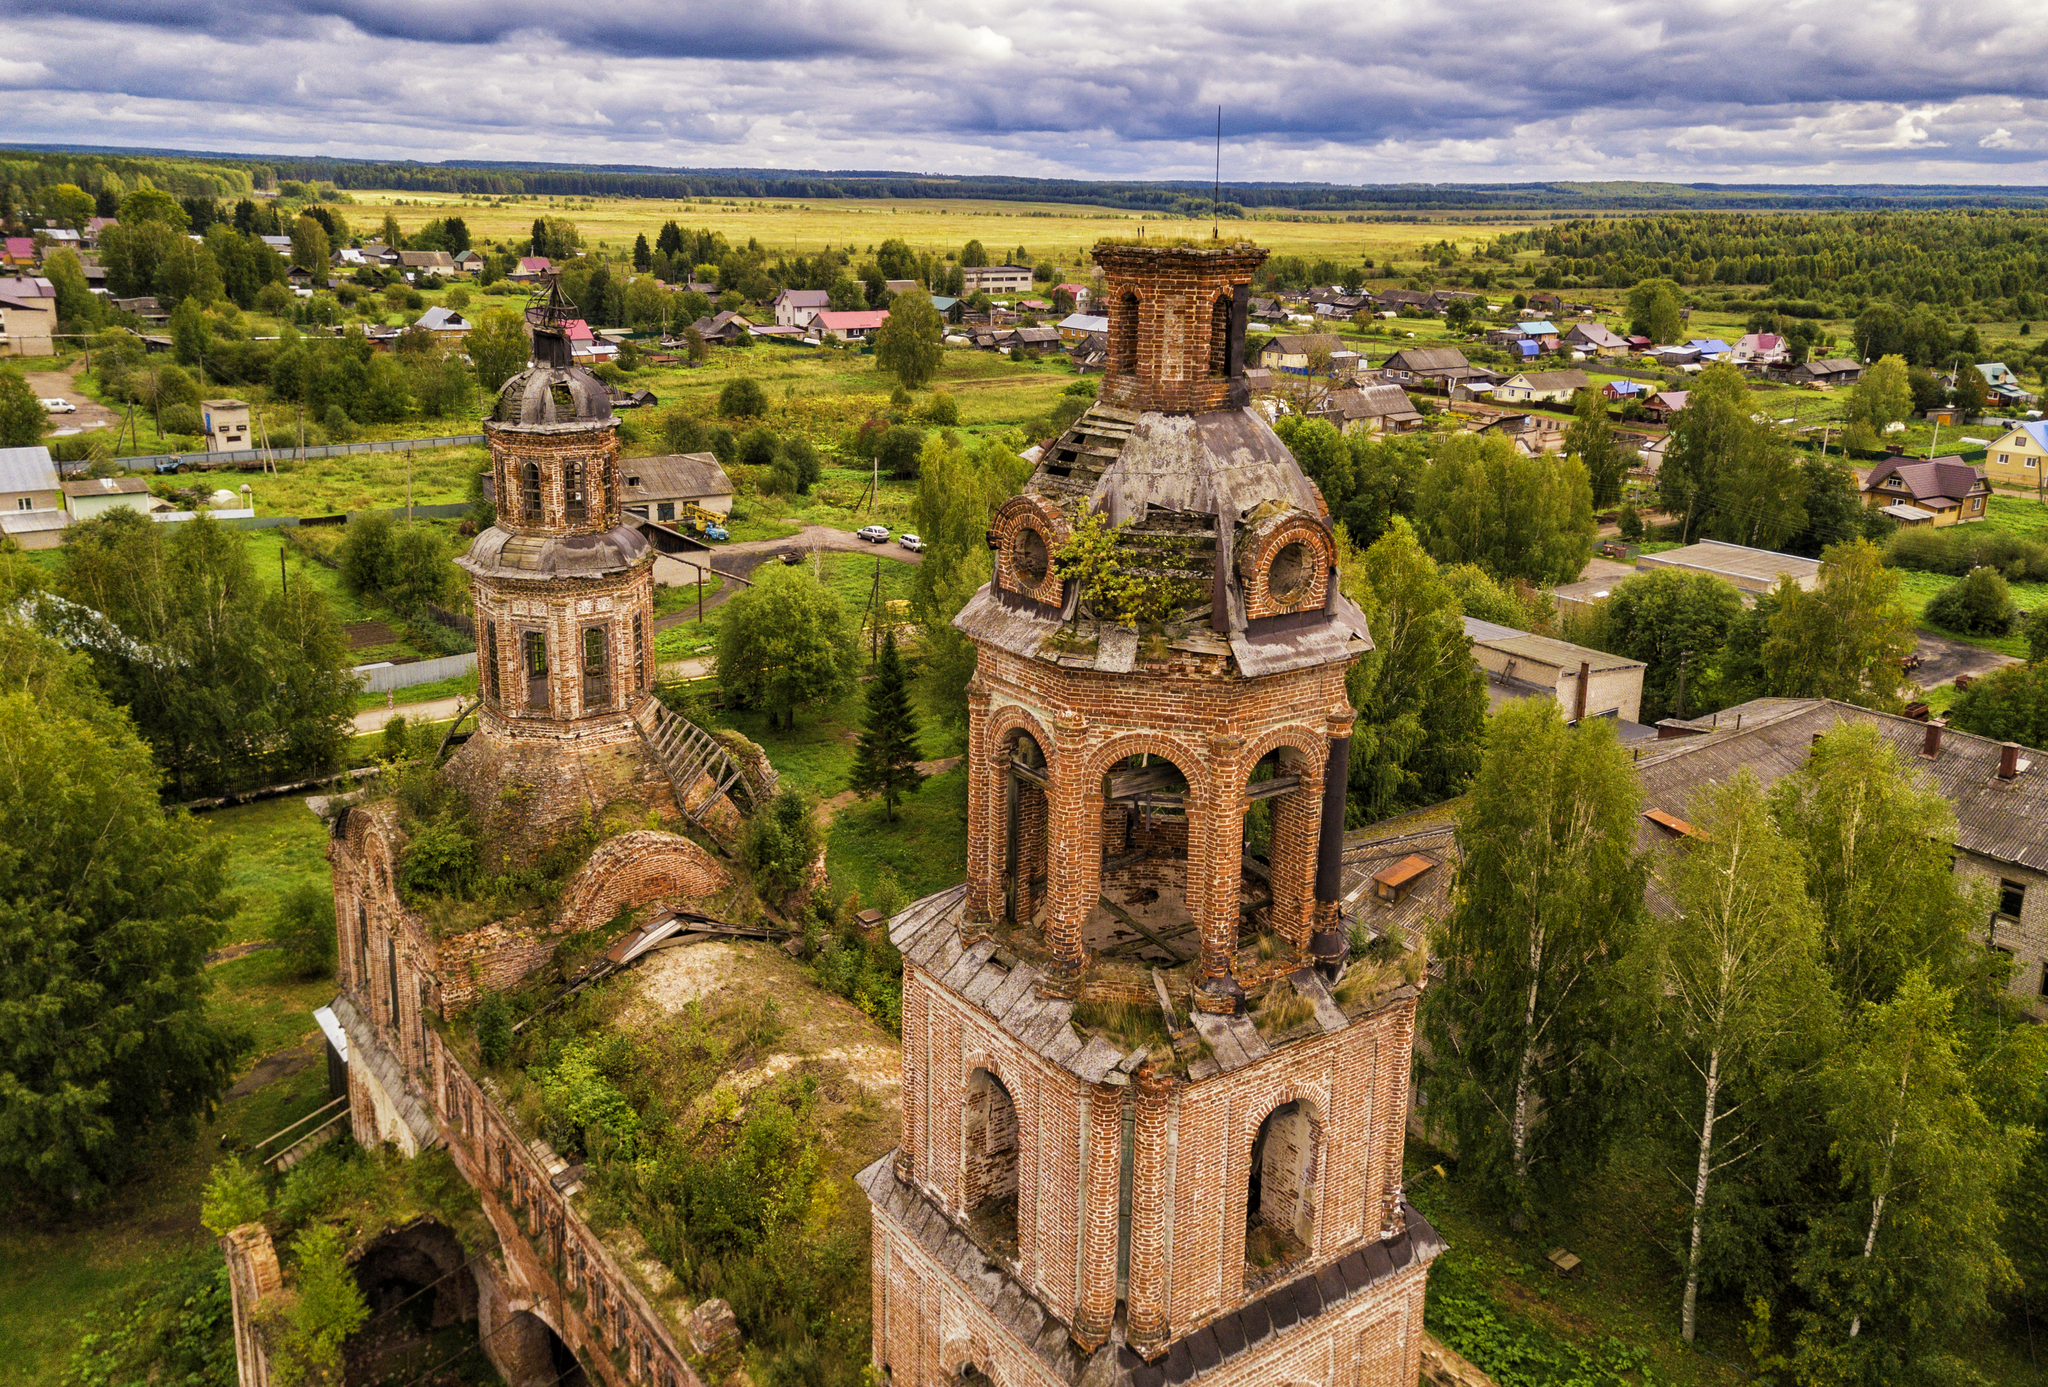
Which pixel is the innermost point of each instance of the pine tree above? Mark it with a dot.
(885, 762)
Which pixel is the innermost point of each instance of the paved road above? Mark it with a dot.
(1942, 659)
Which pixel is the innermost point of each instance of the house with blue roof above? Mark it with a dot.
(2018, 458)
(2003, 384)
(1710, 348)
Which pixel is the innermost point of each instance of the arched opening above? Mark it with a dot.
(597, 668)
(1026, 829)
(1219, 336)
(529, 493)
(972, 1376)
(573, 507)
(989, 1148)
(1143, 911)
(1123, 331)
(1281, 818)
(489, 664)
(423, 1309)
(1281, 1193)
(530, 1354)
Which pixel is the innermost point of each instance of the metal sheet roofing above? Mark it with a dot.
(27, 469)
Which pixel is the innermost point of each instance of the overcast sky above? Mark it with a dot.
(1369, 91)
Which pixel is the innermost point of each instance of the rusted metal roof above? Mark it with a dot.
(1390, 879)
(500, 554)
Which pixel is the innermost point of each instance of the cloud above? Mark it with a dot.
(1472, 91)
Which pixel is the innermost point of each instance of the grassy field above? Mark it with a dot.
(850, 577)
(1916, 590)
(1056, 231)
(72, 1273)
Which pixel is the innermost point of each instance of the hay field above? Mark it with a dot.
(1055, 231)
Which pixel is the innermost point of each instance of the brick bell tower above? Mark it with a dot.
(564, 598)
(1152, 1110)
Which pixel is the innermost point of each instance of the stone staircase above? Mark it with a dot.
(701, 771)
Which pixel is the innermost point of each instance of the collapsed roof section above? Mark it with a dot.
(1224, 550)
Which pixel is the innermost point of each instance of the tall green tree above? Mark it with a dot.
(108, 907)
(1516, 517)
(1880, 331)
(1727, 1006)
(2008, 705)
(310, 248)
(1676, 623)
(1847, 639)
(1653, 311)
(1422, 701)
(786, 643)
(231, 682)
(1549, 892)
(1883, 396)
(1590, 439)
(909, 342)
(1910, 1256)
(1877, 844)
(21, 413)
(1728, 474)
(885, 759)
(498, 348)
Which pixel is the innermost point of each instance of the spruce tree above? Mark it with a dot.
(885, 762)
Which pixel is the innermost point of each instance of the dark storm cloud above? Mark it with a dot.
(1483, 90)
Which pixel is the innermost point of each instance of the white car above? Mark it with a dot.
(874, 534)
(910, 541)
(59, 407)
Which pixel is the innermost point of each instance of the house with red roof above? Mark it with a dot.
(18, 250)
(531, 267)
(850, 327)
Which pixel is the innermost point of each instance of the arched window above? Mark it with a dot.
(529, 493)
(1123, 331)
(639, 652)
(573, 508)
(1280, 1203)
(989, 1182)
(536, 669)
(597, 668)
(490, 661)
(1219, 336)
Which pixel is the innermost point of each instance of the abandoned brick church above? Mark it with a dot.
(1152, 1094)
(1152, 1112)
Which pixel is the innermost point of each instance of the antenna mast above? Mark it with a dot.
(1216, 189)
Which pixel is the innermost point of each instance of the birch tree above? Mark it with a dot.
(1549, 891)
(1728, 991)
(1910, 1256)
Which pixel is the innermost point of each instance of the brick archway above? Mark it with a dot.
(634, 869)
(1296, 819)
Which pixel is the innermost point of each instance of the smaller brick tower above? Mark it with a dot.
(1152, 1111)
(564, 596)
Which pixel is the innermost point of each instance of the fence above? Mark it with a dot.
(251, 457)
(380, 678)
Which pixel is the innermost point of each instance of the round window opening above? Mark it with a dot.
(1030, 555)
(1292, 574)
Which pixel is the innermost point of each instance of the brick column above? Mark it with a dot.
(1073, 871)
(914, 1026)
(1216, 871)
(1100, 1179)
(1394, 1056)
(984, 790)
(1146, 1325)
(1296, 816)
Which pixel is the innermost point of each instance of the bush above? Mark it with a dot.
(803, 461)
(684, 433)
(181, 419)
(758, 447)
(742, 399)
(900, 449)
(304, 928)
(1630, 522)
(941, 409)
(780, 844)
(441, 860)
(1979, 605)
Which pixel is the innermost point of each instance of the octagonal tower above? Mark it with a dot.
(564, 597)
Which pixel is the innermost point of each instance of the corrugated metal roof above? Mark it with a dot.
(672, 475)
(1546, 650)
(27, 469)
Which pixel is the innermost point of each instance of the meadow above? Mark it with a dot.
(1056, 231)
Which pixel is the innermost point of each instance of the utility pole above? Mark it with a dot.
(1683, 656)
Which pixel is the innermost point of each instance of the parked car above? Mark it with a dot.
(716, 532)
(792, 557)
(910, 541)
(59, 407)
(874, 534)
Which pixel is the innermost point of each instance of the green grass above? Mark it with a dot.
(2021, 516)
(924, 851)
(683, 596)
(57, 1269)
(849, 577)
(1916, 590)
(454, 686)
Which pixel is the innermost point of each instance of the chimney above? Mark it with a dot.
(2009, 761)
(1930, 741)
(1585, 672)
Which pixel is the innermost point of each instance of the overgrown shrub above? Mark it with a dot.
(441, 860)
(742, 399)
(780, 844)
(303, 928)
(1979, 605)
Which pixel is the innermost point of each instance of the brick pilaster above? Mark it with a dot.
(1146, 1324)
(984, 822)
(1101, 1177)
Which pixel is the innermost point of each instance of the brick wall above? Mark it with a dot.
(253, 1278)
(562, 613)
(1168, 314)
(633, 869)
(557, 457)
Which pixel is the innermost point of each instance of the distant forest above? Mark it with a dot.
(558, 180)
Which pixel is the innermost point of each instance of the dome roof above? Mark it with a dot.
(498, 553)
(552, 395)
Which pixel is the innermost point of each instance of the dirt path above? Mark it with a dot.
(64, 385)
(827, 808)
(433, 710)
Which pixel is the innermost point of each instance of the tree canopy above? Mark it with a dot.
(786, 643)
(1482, 502)
(908, 343)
